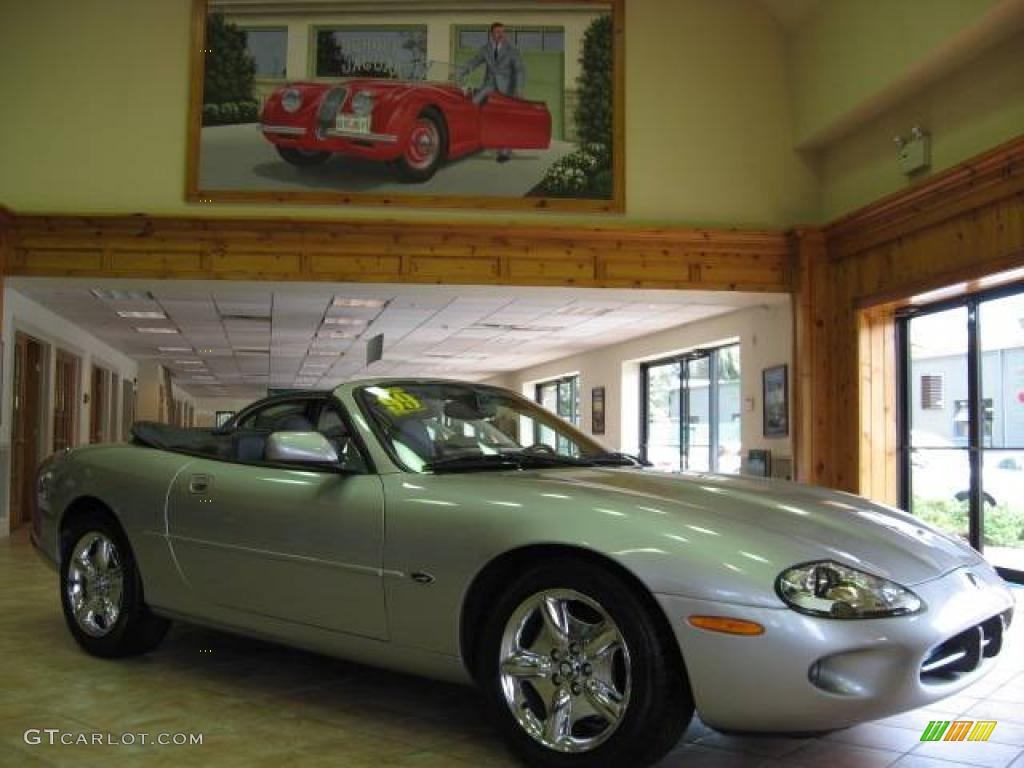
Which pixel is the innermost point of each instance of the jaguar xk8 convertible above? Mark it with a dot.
(461, 532)
(415, 125)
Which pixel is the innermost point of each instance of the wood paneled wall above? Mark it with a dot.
(853, 275)
(247, 249)
(847, 279)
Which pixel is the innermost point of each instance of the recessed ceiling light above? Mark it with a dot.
(344, 321)
(204, 378)
(141, 315)
(172, 350)
(190, 362)
(336, 335)
(456, 356)
(156, 330)
(106, 294)
(344, 301)
(325, 353)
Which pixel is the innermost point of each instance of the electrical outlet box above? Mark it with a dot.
(915, 154)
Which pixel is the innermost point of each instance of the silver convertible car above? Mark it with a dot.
(461, 532)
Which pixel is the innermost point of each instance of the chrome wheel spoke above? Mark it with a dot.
(605, 700)
(526, 664)
(556, 619)
(602, 642)
(558, 726)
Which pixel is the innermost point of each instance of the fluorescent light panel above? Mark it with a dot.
(345, 301)
(145, 329)
(141, 315)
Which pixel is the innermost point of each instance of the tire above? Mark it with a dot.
(426, 148)
(97, 564)
(638, 680)
(303, 158)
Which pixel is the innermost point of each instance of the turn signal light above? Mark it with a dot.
(726, 625)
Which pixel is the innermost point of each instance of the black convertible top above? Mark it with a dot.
(166, 437)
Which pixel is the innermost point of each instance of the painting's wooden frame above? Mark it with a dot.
(616, 204)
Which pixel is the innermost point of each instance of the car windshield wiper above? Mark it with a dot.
(614, 459)
(498, 461)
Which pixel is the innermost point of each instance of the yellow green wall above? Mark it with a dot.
(850, 52)
(979, 106)
(95, 95)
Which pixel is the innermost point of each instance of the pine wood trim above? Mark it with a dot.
(987, 179)
(393, 251)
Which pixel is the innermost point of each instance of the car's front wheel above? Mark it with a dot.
(303, 158)
(425, 149)
(101, 591)
(576, 671)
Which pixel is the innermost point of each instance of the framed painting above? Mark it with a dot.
(776, 401)
(475, 104)
(597, 410)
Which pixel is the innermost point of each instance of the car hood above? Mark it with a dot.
(787, 523)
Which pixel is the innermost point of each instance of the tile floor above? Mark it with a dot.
(258, 704)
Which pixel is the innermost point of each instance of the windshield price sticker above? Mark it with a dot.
(398, 402)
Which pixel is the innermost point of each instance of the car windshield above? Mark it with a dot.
(448, 427)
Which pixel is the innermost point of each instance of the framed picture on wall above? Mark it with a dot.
(342, 102)
(776, 401)
(597, 411)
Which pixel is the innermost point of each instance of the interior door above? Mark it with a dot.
(65, 401)
(28, 379)
(295, 545)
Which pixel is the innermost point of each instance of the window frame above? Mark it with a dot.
(316, 29)
(682, 360)
(976, 443)
(268, 28)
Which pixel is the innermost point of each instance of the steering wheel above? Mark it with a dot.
(539, 448)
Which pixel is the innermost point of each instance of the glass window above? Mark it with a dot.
(289, 414)
(269, 50)
(529, 40)
(384, 52)
(692, 412)
(472, 38)
(554, 40)
(468, 427)
(974, 407)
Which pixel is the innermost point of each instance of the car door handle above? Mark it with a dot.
(199, 483)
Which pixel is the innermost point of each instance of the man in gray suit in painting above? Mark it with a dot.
(505, 72)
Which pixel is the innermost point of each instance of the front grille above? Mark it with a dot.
(328, 112)
(965, 652)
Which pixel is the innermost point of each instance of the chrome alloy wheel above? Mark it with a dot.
(95, 584)
(565, 670)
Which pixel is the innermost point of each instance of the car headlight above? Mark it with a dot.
(362, 103)
(291, 99)
(837, 591)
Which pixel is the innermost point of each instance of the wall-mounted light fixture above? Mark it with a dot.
(914, 152)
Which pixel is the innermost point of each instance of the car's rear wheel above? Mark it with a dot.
(101, 591)
(303, 158)
(576, 671)
(425, 149)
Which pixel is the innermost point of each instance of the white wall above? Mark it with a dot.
(22, 314)
(765, 334)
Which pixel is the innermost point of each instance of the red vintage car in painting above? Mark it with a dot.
(415, 125)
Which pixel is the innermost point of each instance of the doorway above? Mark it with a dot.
(65, 401)
(98, 406)
(29, 355)
(690, 416)
(962, 421)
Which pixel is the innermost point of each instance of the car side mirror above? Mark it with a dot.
(299, 448)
